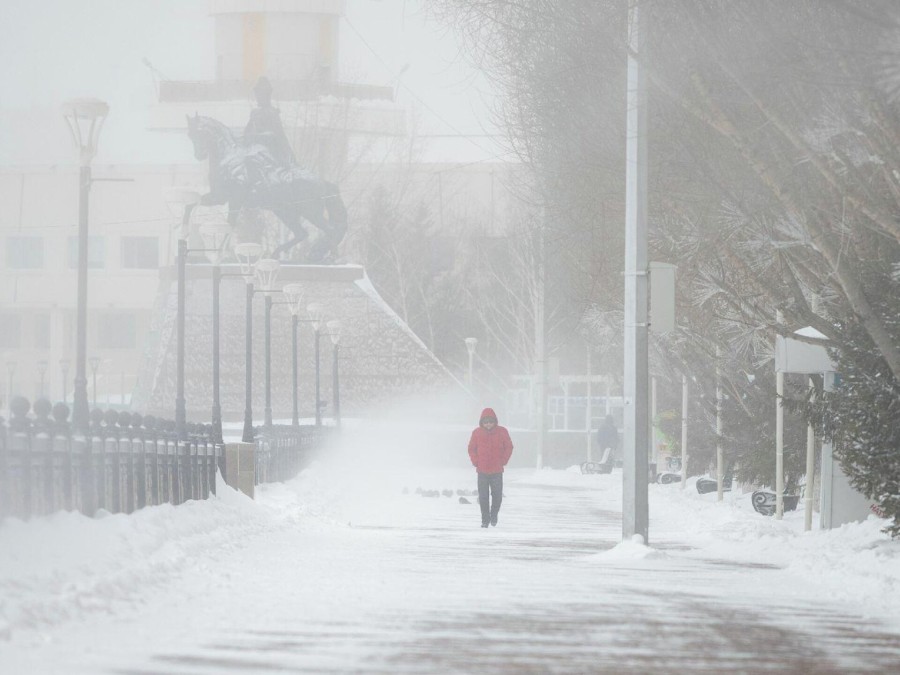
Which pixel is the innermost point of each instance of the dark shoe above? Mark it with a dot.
(484, 524)
(494, 521)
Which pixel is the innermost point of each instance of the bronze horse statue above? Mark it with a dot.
(246, 174)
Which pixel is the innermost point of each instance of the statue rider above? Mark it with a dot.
(265, 125)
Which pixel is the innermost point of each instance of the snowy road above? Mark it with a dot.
(380, 581)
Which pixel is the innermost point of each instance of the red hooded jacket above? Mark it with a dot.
(490, 450)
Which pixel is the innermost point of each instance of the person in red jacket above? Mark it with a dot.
(490, 449)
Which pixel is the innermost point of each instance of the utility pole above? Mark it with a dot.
(654, 440)
(540, 344)
(684, 425)
(810, 468)
(588, 412)
(779, 437)
(720, 454)
(635, 508)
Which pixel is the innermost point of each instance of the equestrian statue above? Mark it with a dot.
(258, 170)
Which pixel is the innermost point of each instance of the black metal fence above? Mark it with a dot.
(283, 450)
(125, 462)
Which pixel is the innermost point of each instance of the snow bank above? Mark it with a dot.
(633, 549)
(856, 562)
(56, 568)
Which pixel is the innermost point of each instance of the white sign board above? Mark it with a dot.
(662, 297)
(794, 356)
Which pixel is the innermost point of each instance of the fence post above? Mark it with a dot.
(5, 508)
(111, 475)
(157, 470)
(126, 468)
(20, 460)
(166, 495)
(212, 463)
(174, 472)
(98, 458)
(20, 446)
(44, 461)
(142, 474)
(203, 468)
(41, 457)
(194, 467)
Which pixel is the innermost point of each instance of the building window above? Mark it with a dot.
(24, 253)
(116, 330)
(10, 331)
(140, 253)
(96, 252)
(42, 331)
(68, 335)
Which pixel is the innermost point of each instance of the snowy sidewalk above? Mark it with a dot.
(386, 582)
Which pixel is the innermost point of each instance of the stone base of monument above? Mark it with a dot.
(240, 467)
(381, 358)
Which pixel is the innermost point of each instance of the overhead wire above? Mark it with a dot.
(408, 89)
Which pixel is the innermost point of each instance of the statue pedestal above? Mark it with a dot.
(380, 357)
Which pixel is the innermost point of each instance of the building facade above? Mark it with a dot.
(337, 129)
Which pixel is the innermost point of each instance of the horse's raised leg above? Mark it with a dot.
(333, 227)
(295, 225)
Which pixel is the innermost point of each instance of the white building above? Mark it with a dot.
(341, 130)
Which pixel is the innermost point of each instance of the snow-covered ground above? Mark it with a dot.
(348, 568)
(857, 562)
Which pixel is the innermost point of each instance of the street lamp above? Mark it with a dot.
(247, 255)
(294, 295)
(64, 367)
(187, 199)
(95, 364)
(252, 267)
(471, 343)
(266, 271)
(334, 332)
(42, 371)
(85, 118)
(316, 314)
(214, 236)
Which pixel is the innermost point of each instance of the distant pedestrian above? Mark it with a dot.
(490, 449)
(607, 437)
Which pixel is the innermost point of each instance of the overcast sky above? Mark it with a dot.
(52, 50)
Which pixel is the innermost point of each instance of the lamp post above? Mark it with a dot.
(214, 235)
(294, 295)
(247, 255)
(334, 332)
(471, 343)
(85, 118)
(64, 367)
(95, 364)
(187, 199)
(266, 271)
(316, 314)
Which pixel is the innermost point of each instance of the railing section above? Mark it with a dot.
(124, 462)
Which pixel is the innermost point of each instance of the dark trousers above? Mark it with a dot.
(490, 494)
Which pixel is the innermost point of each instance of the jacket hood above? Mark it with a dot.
(487, 412)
